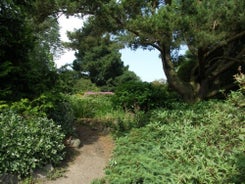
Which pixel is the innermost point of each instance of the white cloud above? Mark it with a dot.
(69, 24)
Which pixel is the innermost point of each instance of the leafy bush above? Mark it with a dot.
(100, 109)
(144, 96)
(62, 113)
(203, 143)
(238, 97)
(28, 143)
(240, 80)
(123, 123)
(90, 106)
(3, 105)
(54, 106)
(38, 107)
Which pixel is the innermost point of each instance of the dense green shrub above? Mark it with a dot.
(100, 109)
(63, 114)
(38, 107)
(54, 106)
(238, 97)
(144, 96)
(203, 143)
(83, 85)
(90, 106)
(123, 123)
(28, 143)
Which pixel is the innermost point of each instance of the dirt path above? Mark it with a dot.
(91, 158)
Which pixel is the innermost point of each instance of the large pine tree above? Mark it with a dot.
(213, 31)
(97, 55)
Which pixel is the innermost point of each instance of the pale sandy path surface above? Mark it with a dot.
(92, 157)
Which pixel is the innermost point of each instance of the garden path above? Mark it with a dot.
(89, 160)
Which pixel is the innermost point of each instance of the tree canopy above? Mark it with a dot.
(27, 47)
(98, 56)
(213, 31)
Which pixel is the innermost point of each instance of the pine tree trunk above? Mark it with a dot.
(188, 90)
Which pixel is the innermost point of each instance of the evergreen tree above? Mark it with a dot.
(213, 31)
(15, 45)
(26, 50)
(97, 55)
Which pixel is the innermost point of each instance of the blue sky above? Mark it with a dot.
(146, 64)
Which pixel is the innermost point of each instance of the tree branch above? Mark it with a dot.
(225, 43)
(215, 92)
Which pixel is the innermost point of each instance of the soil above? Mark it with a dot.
(88, 161)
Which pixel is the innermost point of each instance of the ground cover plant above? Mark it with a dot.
(203, 143)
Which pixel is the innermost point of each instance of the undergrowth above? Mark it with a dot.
(93, 106)
(203, 143)
(99, 109)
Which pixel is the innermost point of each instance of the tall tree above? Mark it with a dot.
(16, 42)
(97, 55)
(212, 30)
(26, 50)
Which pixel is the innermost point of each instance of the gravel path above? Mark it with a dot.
(90, 160)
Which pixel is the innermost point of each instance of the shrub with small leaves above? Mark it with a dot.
(62, 114)
(203, 143)
(240, 80)
(54, 106)
(28, 143)
(90, 106)
(135, 96)
(238, 97)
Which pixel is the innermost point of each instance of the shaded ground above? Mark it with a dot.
(90, 159)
